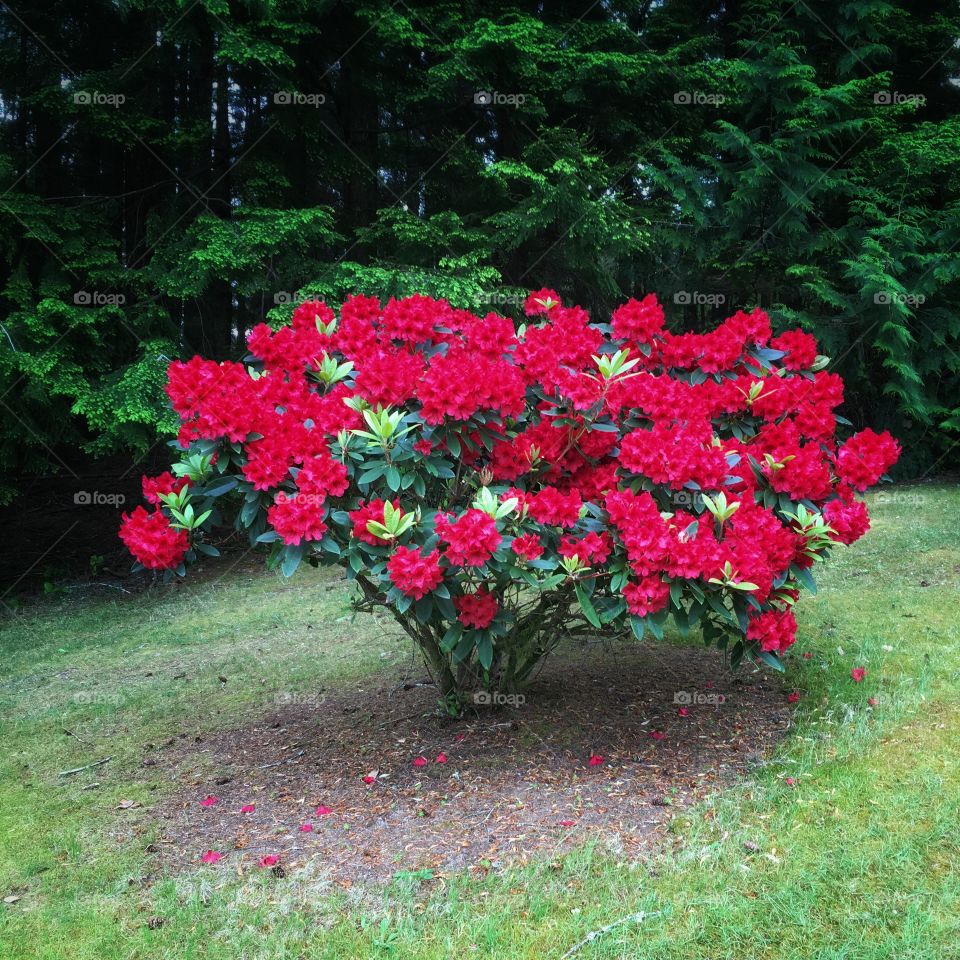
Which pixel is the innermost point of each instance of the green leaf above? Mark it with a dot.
(802, 575)
(587, 607)
(485, 651)
(452, 637)
(292, 555)
(771, 660)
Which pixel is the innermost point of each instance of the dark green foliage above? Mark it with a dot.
(200, 203)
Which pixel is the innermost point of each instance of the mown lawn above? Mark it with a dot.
(856, 859)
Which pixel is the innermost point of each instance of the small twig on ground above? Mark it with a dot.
(77, 736)
(89, 766)
(593, 934)
(280, 763)
(86, 586)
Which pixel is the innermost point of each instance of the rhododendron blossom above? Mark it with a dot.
(497, 486)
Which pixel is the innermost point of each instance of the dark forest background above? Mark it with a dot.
(173, 172)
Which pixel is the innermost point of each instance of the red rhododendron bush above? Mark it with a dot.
(498, 488)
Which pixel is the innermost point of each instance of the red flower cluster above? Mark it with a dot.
(364, 513)
(774, 630)
(165, 483)
(297, 518)
(471, 539)
(865, 457)
(414, 573)
(477, 609)
(152, 540)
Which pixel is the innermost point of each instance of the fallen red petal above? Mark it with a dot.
(211, 856)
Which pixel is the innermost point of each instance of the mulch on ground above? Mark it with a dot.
(598, 750)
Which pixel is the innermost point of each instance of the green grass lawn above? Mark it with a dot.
(857, 859)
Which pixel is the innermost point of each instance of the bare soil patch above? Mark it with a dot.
(518, 782)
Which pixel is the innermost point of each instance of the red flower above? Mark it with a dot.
(306, 828)
(211, 856)
(683, 711)
(165, 483)
(323, 811)
(567, 823)
(858, 673)
(208, 801)
(639, 320)
(649, 595)
(414, 573)
(248, 808)
(800, 349)
(270, 860)
(793, 696)
(298, 518)
(420, 762)
(440, 758)
(366, 512)
(477, 609)
(773, 630)
(321, 476)
(849, 519)
(865, 457)
(471, 540)
(151, 539)
(369, 778)
(554, 508)
(595, 760)
(657, 734)
(592, 548)
(528, 546)
(872, 701)
(541, 301)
